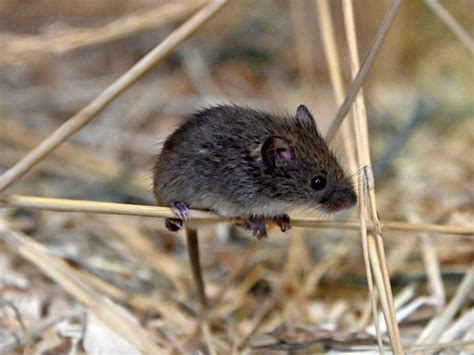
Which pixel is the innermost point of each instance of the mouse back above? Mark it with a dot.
(239, 161)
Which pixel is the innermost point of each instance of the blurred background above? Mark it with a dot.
(56, 56)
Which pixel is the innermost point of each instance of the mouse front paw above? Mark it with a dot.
(282, 221)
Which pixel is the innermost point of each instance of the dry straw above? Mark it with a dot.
(63, 274)
(79, 283)
(332, 57)
(85, 206)
(451, 22)
(364, 69)
(88, 113)
(367, 202)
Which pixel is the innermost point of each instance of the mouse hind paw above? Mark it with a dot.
(173, 224)
(181, 210)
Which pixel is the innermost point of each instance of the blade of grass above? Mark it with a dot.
(451, 22)
(360, 77)
(84, 206)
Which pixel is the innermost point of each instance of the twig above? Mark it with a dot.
(360, 77)
(87, 114)
(451, 22)
(23, 49)
(62, 273)
(66, 205)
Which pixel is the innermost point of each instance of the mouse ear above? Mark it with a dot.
(303, 114)
(277, 152)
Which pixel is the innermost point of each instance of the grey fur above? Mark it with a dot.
(214, 162)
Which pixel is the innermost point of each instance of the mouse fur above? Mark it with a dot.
(250, 164)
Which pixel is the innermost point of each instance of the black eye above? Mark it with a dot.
(318, 182)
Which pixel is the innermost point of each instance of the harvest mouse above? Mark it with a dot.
(251, 165)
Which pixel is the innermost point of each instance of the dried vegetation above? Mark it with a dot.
(102, 275)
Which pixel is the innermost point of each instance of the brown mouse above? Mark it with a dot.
(251, 165)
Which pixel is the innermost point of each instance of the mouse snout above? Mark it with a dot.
(339, 200)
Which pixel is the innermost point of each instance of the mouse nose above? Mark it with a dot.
(340, 200)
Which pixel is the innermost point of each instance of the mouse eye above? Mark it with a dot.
(318, 183)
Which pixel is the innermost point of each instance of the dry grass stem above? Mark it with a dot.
(66, 205)
(143, 248)
(373, 295)
(364, 69)
(87, 114)
(363, 153)
(451, 22)
(23, 49)
(437, 326)
(327, 31)
(85, 277)
(257, 320)
(88, 163)
(236, 271)
(64, 275)
(438, 347)
(432, 268)
(326, 26)
(142, 302)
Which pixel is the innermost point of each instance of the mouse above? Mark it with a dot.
(249, 165)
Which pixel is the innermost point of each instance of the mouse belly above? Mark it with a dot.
(267, 210)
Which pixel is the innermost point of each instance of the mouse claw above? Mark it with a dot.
(181, 210)
(173, 224)
(283, 221)
(256, 225)
(259, 231)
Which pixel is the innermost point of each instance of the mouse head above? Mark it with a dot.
(300, 168)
